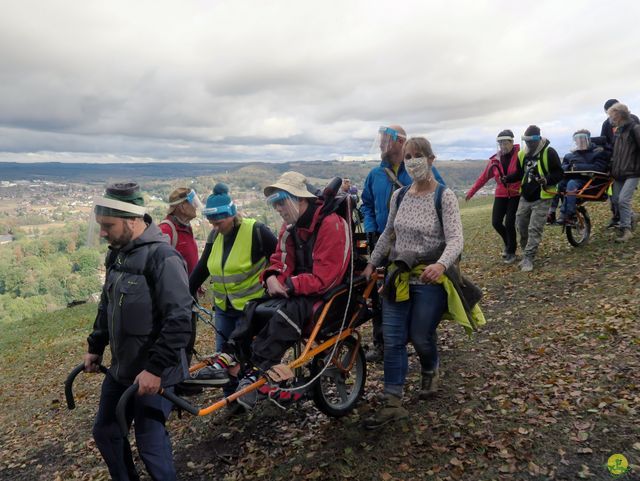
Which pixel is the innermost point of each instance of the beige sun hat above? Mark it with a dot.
(292, 182)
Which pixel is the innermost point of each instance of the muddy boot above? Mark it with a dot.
(429, 384)
(625, 235)
(390, 411)
(376, 354)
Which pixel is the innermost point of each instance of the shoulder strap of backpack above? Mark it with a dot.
(401, 194)
(393, 177)
(174, 232)
(438, 201)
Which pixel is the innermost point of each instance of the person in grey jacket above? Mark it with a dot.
(144, 316)
(625, 165)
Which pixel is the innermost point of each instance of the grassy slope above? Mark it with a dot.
(547, 390)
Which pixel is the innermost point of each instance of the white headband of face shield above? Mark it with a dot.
(119, 205)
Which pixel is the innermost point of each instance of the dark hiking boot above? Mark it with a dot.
(509, 259)
(429, 384)
(215, 375)
(613, 224)
(391, 410)
(551, 218)
(185, 390)
(249, 400)
(375, 355)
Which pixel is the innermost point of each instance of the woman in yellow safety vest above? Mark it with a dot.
(236, 252)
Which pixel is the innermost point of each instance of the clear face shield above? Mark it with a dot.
(581, 142)
(285, 204)
(219, 212)
(504, 145)
(194, 200)
(384, 142)
(531, 143)
(110, 221)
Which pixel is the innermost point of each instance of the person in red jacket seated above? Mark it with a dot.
(311, 257)
(183, 203)
(507, 196)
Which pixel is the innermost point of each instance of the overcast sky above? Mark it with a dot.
(186, 80)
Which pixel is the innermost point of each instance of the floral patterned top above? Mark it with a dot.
(415, 227)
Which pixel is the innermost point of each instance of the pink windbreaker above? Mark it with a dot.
(494, 170)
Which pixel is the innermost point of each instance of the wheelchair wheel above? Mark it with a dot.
(337, 391)
(579, 234)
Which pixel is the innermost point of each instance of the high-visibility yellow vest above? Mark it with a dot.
(239, 280)
(543, 170)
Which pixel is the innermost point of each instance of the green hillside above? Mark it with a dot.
(549, 389)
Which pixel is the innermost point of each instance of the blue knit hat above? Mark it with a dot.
(219, 204)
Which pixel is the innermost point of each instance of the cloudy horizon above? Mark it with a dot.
(207, 81)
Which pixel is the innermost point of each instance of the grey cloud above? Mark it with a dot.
(249, 80)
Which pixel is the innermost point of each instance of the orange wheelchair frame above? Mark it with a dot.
(595, 189)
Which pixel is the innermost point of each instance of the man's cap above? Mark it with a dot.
(532, 130)
(609, 103)
(219, 204)
(179, 195)
(121, 200)
(292, 182)
(505, 134)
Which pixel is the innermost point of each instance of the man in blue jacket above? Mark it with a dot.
(585, 156)
(379, 185)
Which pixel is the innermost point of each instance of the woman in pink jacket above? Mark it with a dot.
(507, 196)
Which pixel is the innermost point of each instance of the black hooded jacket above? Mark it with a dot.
(145, 310)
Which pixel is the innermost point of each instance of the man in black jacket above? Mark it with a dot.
(145, 316)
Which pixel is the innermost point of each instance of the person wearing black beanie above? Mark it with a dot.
(539, 171)
(507, 196)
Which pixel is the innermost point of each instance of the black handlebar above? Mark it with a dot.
(121, 408)
(68, 384)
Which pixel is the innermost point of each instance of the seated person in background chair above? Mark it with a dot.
(585, 156)
(312, 256)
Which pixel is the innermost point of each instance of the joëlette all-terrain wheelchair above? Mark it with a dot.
(596, 189)
(328, 362)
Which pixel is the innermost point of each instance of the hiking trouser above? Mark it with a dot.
(622, 196)
(149, 414)
(531, 219)
(225, 324)
(568, 208)
(503, 220)
(416, 320)
(274, 333)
